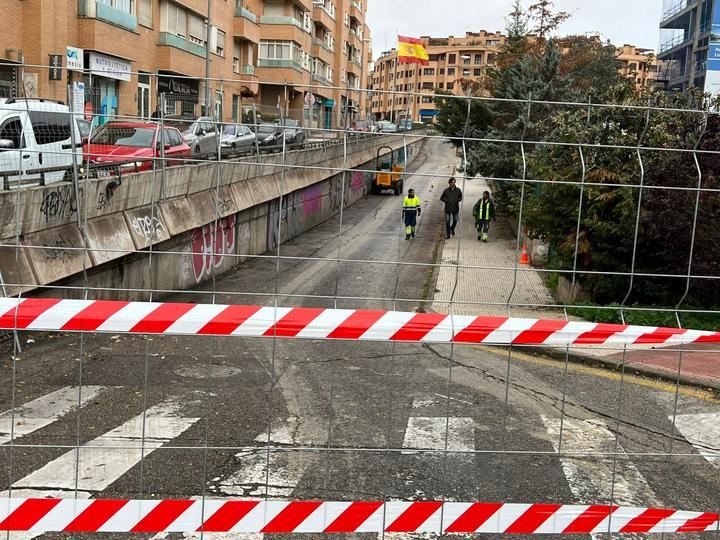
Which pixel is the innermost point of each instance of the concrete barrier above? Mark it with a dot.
(54, 254)
(171, 213)
(146, 226)
(105, 235)
(15, 270)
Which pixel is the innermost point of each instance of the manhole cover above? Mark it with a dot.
(201, 372)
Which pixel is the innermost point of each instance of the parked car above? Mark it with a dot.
(84, 126)
(135, 146)
(385, 126)
(361, 125)
(36, 141)
(202, 136)
(269, 135)
(405, 125)
(236, 138)
(294, 134)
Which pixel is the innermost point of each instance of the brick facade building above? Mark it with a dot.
(127, 53)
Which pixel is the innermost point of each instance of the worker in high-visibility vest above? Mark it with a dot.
(410, 212)
(484, 211)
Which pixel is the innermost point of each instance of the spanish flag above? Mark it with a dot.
(412, 51)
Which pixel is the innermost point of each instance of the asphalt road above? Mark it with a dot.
(348, 421)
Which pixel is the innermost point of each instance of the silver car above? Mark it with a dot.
(385, 126)
(201, 136)
(236, 138)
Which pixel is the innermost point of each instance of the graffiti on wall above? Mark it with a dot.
(148, 227)
(59, 203)
(210, 245)
(312, 200)
(358, 181)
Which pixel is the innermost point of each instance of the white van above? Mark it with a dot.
(36, 144)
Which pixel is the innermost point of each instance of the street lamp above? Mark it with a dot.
(363, 61)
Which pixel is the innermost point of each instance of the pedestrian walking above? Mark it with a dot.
(410, 213)
(484, 211)
(452, 197)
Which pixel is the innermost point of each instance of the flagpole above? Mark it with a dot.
(397, 61)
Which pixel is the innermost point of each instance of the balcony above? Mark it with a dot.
(322, 51)
(247, 69)
(171, 40)
(322, 80)
(245, 25)
(679, 15)
(322, 16)
(265, 19)
(356, 9)
(242, 11)
(98, 10)
(279, 63)
(676, 42)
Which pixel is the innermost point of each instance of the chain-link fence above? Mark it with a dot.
(239, 319)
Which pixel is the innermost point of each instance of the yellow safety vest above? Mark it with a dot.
(411, 204)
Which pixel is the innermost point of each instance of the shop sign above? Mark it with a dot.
(74, 59)
(55, 63)
(174, 85)
(110, 67)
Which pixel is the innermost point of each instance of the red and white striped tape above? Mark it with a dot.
(311, 323)
(246, 516)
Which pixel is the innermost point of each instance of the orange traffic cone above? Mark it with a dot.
(524, 259)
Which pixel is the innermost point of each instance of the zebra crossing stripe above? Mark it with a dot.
(253, 321)
(322, 517)
(45, 410)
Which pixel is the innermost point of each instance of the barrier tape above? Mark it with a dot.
(310, 323)
(248, 516)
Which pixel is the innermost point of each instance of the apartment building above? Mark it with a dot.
(637, 64)
(460, 63)
(313, 59)
(130, 57)
(452, 61)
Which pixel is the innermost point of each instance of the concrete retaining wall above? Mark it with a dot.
(226, 209)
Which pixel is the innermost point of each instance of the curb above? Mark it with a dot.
(617, 365)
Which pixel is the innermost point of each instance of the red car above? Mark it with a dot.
(135, 145)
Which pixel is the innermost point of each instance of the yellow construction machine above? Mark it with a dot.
(389, 175)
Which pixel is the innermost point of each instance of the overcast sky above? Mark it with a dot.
(621, 21)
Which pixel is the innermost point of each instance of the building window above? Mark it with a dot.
(452, 58)
(126, 6)
(478, 58)
(429, 71)
(450, 86)
(145, 12)
(175, 19)
(490, 59)
(442, 71)
(477, 72)
(219, 42)
(451, 71)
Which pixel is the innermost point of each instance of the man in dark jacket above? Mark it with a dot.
(452, 197)
(484, 211)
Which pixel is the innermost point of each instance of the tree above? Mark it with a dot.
(453, 119)
(545, 19)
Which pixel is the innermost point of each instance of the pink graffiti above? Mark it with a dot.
(358, 181)
(206, 246)
(312, 200)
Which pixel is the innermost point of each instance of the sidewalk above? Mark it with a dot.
(503, 288)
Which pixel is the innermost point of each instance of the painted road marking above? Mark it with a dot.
(574, 367)
(703, 432)
(433, 433)
(45, 410)
(100, 463)
(591, 479)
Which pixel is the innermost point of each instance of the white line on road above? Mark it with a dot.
(703, 432)
(100, 464)
(424, 433)
(45, 410)
(591, 479)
